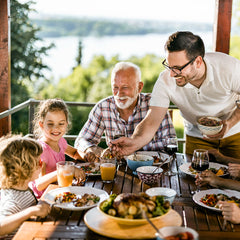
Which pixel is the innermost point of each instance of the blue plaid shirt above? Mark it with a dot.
(104, 119)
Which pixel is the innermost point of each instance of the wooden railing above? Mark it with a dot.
(32, 104)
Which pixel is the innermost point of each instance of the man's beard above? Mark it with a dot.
(126, 104)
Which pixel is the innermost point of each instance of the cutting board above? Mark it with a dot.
(102, 225)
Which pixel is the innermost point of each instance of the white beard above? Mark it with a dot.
(126, 104)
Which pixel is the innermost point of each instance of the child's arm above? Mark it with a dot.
(73, 153)
(43, 182)
(10, 223)
(79, 155)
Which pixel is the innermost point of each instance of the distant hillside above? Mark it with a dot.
(58, 27)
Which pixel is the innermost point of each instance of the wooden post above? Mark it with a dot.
(5, 89)
(222, 25)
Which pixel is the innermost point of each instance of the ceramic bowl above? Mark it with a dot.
(167, 193)
(146, 174)
(127, 221)
(141, 160)
(210, 130)
(174, 230)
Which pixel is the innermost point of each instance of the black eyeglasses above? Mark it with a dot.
(177, 70)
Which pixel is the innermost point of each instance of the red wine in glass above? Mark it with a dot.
(171, 149)
(200, 166)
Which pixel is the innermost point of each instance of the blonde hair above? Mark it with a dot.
(45, 106)
(19, 159)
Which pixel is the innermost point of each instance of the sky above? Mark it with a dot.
(172, 10)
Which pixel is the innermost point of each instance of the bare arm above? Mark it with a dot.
(143, 133)
(10, 223)
(208, 177)
(43, 182)
(73, 153)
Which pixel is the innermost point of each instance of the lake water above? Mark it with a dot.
(61, 59)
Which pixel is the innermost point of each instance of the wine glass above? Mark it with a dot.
(170, 147)
(200, 161)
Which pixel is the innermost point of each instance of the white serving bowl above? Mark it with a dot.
(146, 174)
(167, 193)
(174, 230)
(210, 130)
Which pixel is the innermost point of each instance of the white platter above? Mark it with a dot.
(153, 153)
(97, 165)
(79, 191)
(185, 168)
(197, 196)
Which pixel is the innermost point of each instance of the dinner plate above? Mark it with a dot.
(197, 196)
(99, 223)
(153, 153)
(79, 191)
(92, 172)
(185, 168)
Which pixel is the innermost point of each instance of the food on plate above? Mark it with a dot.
(209, 122)
(180, 236)
(219, 172)
(85, 200)
(157, 159)
(212, 200)
(93, 168)
(65, 197)
(132, 206)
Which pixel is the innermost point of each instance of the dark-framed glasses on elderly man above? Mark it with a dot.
(177, 70)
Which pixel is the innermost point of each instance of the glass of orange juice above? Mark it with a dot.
(65, 173)
(108, 169)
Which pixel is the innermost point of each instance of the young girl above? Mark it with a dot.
(50, 124)
(19, 164)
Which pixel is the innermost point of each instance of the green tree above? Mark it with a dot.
(26, 60)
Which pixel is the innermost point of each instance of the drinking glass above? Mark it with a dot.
(65, 173)
(108, 169)
(171, 147)
(200, 161)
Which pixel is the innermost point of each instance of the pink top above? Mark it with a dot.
(50, 157)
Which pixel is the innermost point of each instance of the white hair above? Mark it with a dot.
(123, 66)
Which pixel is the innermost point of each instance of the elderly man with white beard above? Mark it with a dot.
(120, 114)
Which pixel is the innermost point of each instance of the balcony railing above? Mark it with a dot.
(32, 103)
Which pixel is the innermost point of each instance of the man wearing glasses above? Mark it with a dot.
(199, 85)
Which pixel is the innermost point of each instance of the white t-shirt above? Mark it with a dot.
(216, 97)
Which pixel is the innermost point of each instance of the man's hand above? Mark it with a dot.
(123, 146)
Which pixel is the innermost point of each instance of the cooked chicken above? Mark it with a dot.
(131, 205)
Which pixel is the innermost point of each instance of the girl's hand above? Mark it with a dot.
(80, 175)
(234, 170)
(91, 157)
(207, 177)
(230, 211)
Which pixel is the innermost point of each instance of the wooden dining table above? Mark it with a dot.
(66, 224)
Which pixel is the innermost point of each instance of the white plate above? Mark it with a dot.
(185, 168)
(97, 165)
(79, 191)
(197, 196)
(153, 153)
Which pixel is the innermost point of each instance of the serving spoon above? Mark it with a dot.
(158, 234)
(154, 170)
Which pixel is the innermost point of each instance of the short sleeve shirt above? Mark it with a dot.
(50, 157)
(216, 97)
